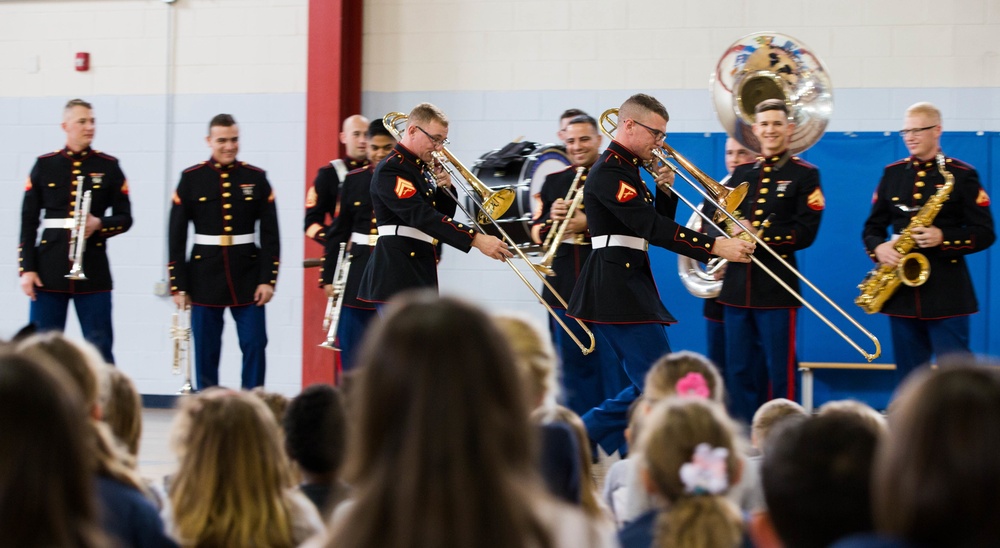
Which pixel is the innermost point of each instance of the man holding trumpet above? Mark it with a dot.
(414, 213)
(57, 184)
(616, 293)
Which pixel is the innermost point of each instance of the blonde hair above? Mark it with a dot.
(276, 403)
(925, 108)
(230, 489)
(588, 487)
(425, 113)
(873, 418)
(661, 380)
(769, 415)
(670, 435)
(123, 410)
(534, 357)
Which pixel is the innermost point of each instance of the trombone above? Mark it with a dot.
(492, 204)
(726, 201)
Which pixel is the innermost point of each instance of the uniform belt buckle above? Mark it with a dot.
(226, 240)
(372, 238)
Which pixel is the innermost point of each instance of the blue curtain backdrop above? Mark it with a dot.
(850, 166)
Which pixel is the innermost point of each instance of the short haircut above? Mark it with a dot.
(571, 113)
(771, 104)
(378, 128)
(925, 108)
(426, 112)
(854, 407)
(77, 103)
(584, 119)
(221, 120)
(639, 104)
(770, 415)
(315, 429)
(816, 476)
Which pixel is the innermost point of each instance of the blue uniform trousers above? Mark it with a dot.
(251, 329)
(636, 346)
(586, 380)
(350, 331)
(914, 341)
(48, 312)
(715, 334)
(774, 330)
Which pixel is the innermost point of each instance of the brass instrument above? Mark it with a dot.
(913, 269)
(331, 319)
(492, 203)
(78, 234)
(180, 334)
(608, 126)
(483, 197)
(555, 235)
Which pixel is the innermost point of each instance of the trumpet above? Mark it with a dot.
(486, 200)
(727, 207)
(555, 236)
(331, 319)
(180, 334)
(77, 236)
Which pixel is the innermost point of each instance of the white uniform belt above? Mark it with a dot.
(408, 231)
(363, 239)
(619, 240)
(58, 223)
(223, 240)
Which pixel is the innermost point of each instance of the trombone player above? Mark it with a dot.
(414, 213)
(58, 181)
(589, 379)
(931, 319)
(616, 294)
(785, 191)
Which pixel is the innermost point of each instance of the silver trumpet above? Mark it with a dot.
(78, 234)
(333, 305)
(180, 334)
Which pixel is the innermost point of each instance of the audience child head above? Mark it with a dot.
(588, 489)
(440, 439)
(46, 468)
(936, 477)
(770, 415)
(315, 432)
(859, 409)
(690, 458)
(123, 409)
(275, 402)
(686, 374)
(534, 357)
(817, 475)
(230, 487)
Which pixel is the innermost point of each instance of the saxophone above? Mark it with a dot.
(914, 268)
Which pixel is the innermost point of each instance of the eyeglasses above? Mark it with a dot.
(438, 142)
(657, 134)
(915, 131)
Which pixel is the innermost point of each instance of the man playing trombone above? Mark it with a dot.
(586, 380)
(783, 190)
(414, 212)
(356, 226)
(616, 294)
(56, 186)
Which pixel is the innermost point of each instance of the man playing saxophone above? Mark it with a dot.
(52, 192)
(931, 319)
(587, 380)
(356, 226)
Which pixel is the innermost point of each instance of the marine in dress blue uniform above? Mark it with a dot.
(785, 191)
(356, 226)
(322, 200)
(931, 319)
(226, 200)
(414, 213)
(50, 200)
(586, 380)
(616, 294)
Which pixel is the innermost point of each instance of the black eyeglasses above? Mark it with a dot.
(915, 131)
(657, 134)
(438, 142)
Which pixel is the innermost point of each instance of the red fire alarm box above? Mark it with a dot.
(82, 61)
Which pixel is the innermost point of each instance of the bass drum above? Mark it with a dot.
(522, 166)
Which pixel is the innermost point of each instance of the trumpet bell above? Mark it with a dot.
(770, 65)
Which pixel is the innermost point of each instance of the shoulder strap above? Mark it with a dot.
(341, 169)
